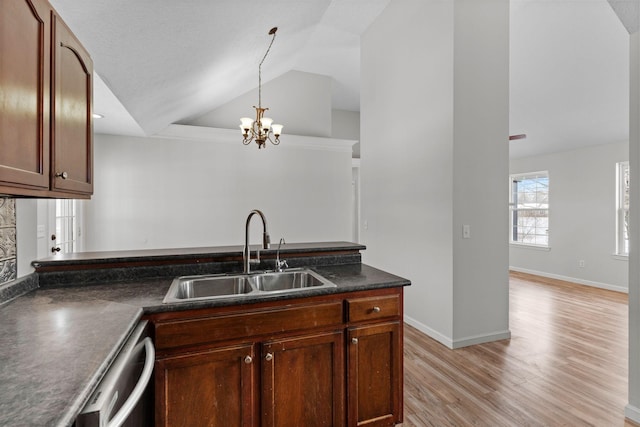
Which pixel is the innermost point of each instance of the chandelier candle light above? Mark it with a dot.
(261, 128)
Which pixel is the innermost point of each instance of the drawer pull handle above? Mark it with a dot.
(376, 309)
(268, 357)
(248, 360)
(354, 340)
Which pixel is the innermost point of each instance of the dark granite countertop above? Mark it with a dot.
(149, 293)
(55, 346)
(184, 254)
(56, 343)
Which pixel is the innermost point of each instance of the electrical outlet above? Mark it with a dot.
(581, 263)
(40, 230)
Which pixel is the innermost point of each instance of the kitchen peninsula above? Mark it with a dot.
(59, 339)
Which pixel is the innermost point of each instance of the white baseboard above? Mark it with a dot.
(481, 339)
(459, 343)
(442, 339)
(632, 413)
(572, 279)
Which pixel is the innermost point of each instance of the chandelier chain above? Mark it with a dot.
(273, 32)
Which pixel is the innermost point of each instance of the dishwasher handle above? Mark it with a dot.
(135, 395)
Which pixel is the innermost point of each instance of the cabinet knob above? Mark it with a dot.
(63, 175)
(354, 340)
(248, 360)
(376, 309)
(268, 357)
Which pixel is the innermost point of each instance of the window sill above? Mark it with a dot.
(620, 257)
(532, 247)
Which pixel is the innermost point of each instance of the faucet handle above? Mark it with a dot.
(281, 264)
(256, 260)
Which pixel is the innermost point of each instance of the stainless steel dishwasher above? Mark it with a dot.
(124, 397)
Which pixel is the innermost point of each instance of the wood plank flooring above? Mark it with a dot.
(565, 365)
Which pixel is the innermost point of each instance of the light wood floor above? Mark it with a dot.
(565, 365)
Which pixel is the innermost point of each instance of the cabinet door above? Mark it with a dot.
(24, 93)
(215, 388)
(303, 381)
(375, 375)
(72, 126)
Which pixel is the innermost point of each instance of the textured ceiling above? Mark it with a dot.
(167, 61)
(569, 75)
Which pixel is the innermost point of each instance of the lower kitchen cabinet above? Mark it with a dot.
(303, 381)
(209, 388)
(375, 375)
(322, 361)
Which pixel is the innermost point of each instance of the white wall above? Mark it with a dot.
(434, 114)
(406, 178)
(26, 226)
(197, 190)
(633, 408)
(480, 163)
(346, 125)
(582, 217)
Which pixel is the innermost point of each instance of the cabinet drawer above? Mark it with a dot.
(372, 308)
(186, 332)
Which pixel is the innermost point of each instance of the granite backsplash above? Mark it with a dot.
(8, 247)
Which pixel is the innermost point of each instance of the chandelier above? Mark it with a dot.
(261, 128)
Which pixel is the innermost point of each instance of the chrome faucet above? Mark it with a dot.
(265, 240)
(283, 263)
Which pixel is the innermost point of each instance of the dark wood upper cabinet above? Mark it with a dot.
(72, 131)
(25, 76)
(46, 120)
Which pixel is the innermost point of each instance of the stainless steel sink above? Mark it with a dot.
(195, 287)
(288, 281)
(189, 288)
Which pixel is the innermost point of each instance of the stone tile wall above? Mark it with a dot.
(8, 251)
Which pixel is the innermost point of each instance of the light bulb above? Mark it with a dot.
(266, 123)
(277, 129)
(247, 123)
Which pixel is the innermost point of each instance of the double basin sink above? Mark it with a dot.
(189, 288)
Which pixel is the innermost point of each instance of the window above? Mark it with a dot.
(529, 209)
(622, 208)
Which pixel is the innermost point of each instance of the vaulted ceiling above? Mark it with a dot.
(168, 61)
(569, 75)
(163, 61)
(629, 13)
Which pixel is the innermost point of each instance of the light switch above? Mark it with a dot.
(466, 231)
